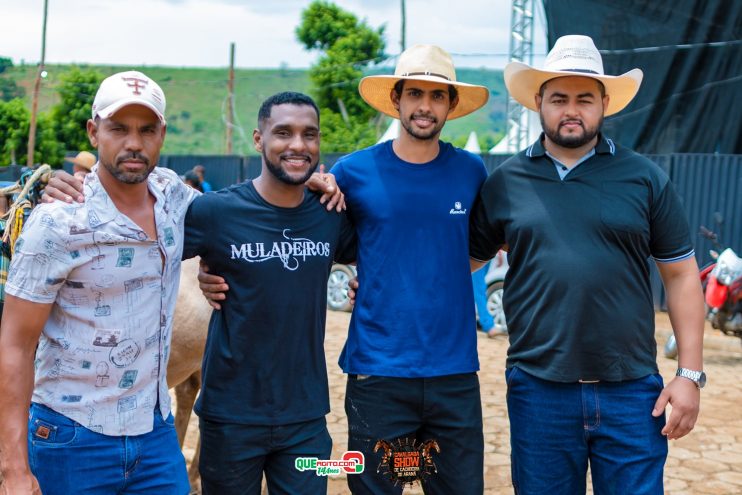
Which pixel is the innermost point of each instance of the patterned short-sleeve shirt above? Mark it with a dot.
(103, 352)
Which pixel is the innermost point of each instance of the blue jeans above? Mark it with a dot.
(234, 457)
(480, 298)
(556, 429)
(74, 459)
(447, 409)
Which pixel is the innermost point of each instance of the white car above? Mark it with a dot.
(337, 287)
(340, 275)
(495, 280)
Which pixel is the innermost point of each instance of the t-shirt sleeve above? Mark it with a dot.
(670, 234)
(338, 170)
(347, 242)
(41, 262)
(486, 235)
(197, 227)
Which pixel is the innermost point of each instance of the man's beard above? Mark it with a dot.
(284, 177)
(571, 141)
(129, 177)
(431, 133)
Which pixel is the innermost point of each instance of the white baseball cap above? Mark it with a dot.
(128, 88)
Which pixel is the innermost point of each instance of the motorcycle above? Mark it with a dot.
(722, 289)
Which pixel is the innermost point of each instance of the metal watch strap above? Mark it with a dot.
(692, 375)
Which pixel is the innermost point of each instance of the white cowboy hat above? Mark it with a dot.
(422, 63)
(572, 55)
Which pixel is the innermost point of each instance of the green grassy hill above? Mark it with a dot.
(196, 103)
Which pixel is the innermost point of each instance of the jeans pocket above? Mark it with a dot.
(510, 374)
(49, 433)
(656, 380)
(169, 421)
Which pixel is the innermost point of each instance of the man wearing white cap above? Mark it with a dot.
(94, 285)
(411, 353)
(581, 216)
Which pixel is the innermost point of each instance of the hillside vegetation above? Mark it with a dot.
(196, 102)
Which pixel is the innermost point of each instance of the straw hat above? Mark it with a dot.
(422, 63)
(83, 159)
(572, 55)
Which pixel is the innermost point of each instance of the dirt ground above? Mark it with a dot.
(708, 461)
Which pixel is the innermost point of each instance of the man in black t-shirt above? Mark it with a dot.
(265, 395)
(581, 217)
(264, 392)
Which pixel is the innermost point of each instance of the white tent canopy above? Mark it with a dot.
(534, 131)
(472, 144)
(392, 132)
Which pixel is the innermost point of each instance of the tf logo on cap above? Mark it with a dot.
(128, 88)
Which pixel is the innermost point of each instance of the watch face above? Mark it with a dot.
(702, 380)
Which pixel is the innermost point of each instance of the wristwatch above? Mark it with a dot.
(697, 377)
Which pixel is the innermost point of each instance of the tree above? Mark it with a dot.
(5, 62)
(348, 45)
(70, 115)
(14, 118)
(9, 89)
(14, 122)
(61, 129)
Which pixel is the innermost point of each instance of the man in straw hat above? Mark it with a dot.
(411, 353)
(581, 216)
(82, 163)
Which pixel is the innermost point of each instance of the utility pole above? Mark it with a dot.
(35, 100)
(230, 99)
(403, 41)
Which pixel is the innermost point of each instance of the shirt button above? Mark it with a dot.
(564, 168)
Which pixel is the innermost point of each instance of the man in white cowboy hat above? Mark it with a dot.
(581, 216)
(411, 353)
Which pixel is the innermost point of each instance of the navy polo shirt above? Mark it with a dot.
(577, 294)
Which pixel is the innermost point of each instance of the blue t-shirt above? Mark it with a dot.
(414, 311)
(264, 362)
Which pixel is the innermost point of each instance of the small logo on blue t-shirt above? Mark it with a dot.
(457, 210)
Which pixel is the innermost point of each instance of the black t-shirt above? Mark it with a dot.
(577, 294)
(264, 362)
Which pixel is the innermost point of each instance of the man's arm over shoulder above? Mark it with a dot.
(201, 215)
(486, 234)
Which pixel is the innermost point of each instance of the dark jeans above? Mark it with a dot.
(234, 457)
(446, 409)
(73, 459)
(557, 428)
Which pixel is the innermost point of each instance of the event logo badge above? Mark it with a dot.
(405, 461)
(351, 463)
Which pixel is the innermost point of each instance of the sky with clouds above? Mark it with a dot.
(197, 33)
